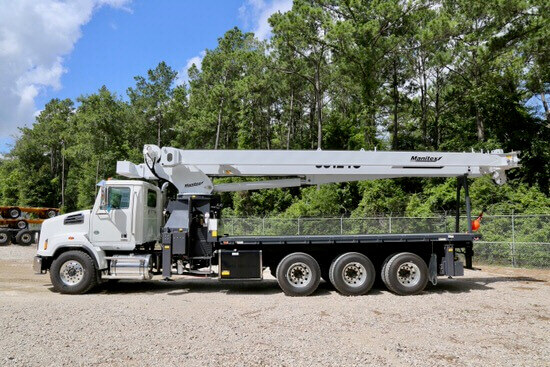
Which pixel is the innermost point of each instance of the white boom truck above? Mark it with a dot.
(124, 235)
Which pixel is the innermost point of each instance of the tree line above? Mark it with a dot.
(448, 75)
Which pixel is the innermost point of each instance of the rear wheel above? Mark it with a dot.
(298, 274)
(51, 213)
(4, 238)
(73, 272)
(405, 274)
(352, 274)
(24, 238)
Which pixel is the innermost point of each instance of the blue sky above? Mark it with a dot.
(67, 48)
(116, 45)
(105, 42)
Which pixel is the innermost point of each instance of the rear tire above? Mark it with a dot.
(405, 274)
(51, 213)
(298, 274)
(24, 238)
(4, 238)
(352, 274)
(73, 272)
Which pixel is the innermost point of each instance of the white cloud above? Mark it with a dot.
(183, 74)
(255, 15)
(35, 35)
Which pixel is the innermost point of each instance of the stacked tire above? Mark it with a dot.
(18, 231)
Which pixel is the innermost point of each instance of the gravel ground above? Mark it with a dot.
(493, 317)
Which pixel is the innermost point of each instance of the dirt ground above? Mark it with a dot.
(492, 317)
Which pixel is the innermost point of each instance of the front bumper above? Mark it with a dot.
(38, 265)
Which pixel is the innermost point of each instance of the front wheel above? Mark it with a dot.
(73, 272)
(298, 274)
(405, 274)
(352, 274)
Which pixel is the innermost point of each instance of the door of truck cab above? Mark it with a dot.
(112, 218)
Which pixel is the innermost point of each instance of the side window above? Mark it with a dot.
(151, 199)
(118, 198)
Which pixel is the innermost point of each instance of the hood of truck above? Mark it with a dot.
(66, 224)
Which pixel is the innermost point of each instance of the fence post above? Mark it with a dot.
(298, 225)
(514, 261)
(390, 221)
(342, 224)
(233, 226)
(445, 221)
(263, 226)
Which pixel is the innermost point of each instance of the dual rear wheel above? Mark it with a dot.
(405, 273)
(351, 274)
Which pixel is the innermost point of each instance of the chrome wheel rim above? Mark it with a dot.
(3, 237)
(71, 272)
(408, 274)
(21, 225)
(14, 213)
(26, 238)
(354, 274)
(299, 275)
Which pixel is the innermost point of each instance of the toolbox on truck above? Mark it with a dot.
(241, 264)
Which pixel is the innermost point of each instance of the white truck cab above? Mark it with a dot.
(126, 214)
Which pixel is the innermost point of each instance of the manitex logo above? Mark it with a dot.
(427, 158)
(194, 184)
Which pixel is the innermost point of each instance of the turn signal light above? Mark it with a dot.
(45, 245)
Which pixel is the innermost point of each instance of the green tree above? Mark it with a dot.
(151, 99)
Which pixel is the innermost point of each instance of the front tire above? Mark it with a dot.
(352, 274)
(405, 274)
(298, 274)
(73, 272)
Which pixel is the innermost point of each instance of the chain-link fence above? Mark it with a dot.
(517, 240)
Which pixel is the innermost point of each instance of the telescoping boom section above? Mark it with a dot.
(191, 171)
(135, 232)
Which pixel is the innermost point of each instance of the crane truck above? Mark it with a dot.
(135, 232)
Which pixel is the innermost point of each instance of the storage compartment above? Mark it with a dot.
(243, 264)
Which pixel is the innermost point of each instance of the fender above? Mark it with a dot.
(77, 241)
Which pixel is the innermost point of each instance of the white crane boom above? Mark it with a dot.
(191, 170)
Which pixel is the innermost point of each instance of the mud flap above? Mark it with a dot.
(432, 269)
